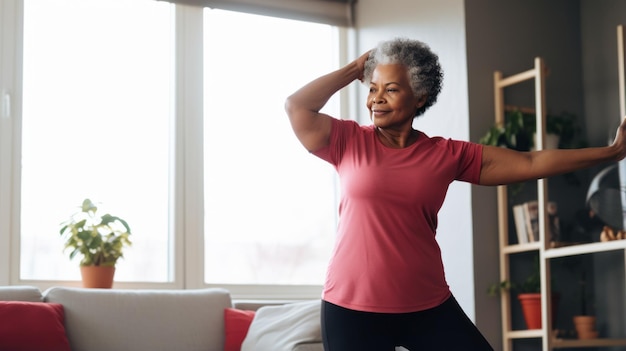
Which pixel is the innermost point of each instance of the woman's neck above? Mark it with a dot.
(397, 140)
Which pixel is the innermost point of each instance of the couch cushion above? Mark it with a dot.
(32, 326)
(236, 325)
(318, 346)
(141, 320)
(20, 293)
(283, 328)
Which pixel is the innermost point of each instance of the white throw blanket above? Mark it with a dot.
(281, 328)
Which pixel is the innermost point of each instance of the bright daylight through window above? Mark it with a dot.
(270, 205)
(96, 119)
(97, 123)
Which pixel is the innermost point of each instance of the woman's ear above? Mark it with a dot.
(420, 101)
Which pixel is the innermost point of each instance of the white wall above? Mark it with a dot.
(441, 25)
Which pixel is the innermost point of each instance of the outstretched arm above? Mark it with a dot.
(303, 107)
(505, 166)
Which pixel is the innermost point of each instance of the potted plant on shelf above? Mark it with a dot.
(514, 134)
(584, 321)
(100, 240)
(529, 296)
(519, 129)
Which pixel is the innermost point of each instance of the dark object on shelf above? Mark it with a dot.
(585, 228)
(604, 197)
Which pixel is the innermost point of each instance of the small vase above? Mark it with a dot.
(97, 276)
(585, 327)
(551, 141)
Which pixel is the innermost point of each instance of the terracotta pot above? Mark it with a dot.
(97, 276)
(585, 327)
(531, 308)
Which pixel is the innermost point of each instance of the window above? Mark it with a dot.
(270, 205)
(104, 95)
(96, 117)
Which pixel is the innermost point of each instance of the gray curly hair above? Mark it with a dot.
(425, 73)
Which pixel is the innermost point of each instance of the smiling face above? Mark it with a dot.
(391, 101)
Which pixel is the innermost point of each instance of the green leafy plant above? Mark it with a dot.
(519, 128)
(532, 283)
(514, 133)
(100, 240)
(518, 132)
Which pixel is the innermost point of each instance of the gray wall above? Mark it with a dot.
(578, 42)
(599, 58)
(507, 36)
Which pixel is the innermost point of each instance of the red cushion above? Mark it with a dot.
(236, 325)
(32, 326)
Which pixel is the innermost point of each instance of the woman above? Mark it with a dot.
(385, 284)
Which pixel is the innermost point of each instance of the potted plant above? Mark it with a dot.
(520, 126)
(529, 296)
(514, 134)
(519, 129)
(584, 321)
(99, 240)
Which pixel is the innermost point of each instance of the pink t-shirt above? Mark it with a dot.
(386, 258)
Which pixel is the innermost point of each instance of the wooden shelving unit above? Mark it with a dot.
(542, 247)
(506, 248)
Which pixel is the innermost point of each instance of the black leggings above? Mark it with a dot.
(443, 328)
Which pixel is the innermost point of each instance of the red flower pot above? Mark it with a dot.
(531, 308)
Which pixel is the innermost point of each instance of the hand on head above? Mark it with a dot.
(360, 62)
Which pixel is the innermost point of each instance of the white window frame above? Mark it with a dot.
(10, 105)
(187, 225)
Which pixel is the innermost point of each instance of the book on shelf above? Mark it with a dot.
(526, 217)
(554, 227)
(531, 215)
(520, 224)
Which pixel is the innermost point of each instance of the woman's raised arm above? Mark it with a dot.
(505, 166)
(311, 127)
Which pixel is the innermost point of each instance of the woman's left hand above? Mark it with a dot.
(619, 144)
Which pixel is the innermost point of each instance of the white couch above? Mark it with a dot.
(182, 320)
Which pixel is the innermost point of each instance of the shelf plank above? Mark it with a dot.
(523, 334)
(521, 248)
(572, 343)
(564, 343)
(585, 248)
(517, 78)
